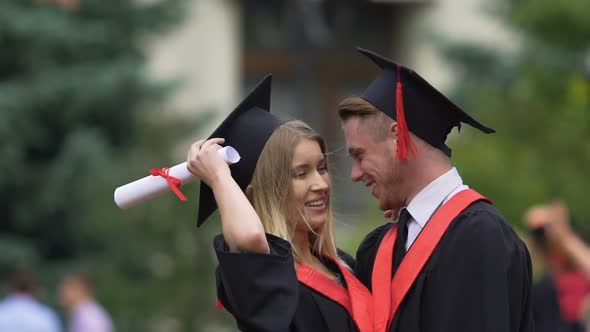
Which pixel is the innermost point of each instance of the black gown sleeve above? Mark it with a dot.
(259, 290)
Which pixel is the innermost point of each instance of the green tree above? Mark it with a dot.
(71, 89)
(538, 100)
(79, 117)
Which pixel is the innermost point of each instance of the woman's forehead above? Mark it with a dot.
(307, 150)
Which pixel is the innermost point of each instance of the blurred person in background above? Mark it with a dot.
(559, 228)
(279, 268)
(586, 313)
(20, 311)
(85, 313)
(452, 262)
(558, 294)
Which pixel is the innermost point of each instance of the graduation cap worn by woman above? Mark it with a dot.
(264, 280)
(246, 128)
(452, 263)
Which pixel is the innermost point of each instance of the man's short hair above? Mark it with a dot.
(372, 119)
(24, 281)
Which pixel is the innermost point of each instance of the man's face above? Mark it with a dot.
(373, 162)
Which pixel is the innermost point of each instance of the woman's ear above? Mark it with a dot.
(250, 192)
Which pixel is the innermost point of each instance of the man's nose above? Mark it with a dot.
(355, 173)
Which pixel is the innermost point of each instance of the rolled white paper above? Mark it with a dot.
(151, 186)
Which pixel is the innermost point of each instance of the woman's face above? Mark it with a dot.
(310, 185)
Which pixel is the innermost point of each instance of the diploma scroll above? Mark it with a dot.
(151, 186)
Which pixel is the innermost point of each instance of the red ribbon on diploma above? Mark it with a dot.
(173, 182)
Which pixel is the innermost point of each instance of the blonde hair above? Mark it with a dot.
(274, 204)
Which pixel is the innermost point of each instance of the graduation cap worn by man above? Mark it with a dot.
(246, 128)
(416, 106)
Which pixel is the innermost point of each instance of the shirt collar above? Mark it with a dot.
(432, 196)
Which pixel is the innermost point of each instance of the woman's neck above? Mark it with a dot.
(306, 256)
(301, 244)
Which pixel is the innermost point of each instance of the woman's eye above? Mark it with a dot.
(299, 174)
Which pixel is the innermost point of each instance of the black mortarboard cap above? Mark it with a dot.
(246, 128)
(428, 113)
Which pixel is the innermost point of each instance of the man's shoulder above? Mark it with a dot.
(482, 214)
(33, 312)
(482, 225)
(22, 303)
(373, 239)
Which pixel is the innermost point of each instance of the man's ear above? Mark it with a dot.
(392, 130)
(249, 192)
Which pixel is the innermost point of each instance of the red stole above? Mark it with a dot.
(387, 293)
(356, 299)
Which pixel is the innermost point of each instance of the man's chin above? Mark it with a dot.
(383, 206)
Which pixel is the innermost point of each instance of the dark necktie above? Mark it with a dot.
(402, 237)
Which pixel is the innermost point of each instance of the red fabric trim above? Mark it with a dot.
(356, 299)
(360, 300)
(572, 287)
(381, 280)
(323, 285)
(424, 245)
(415, 258)
(219, 305)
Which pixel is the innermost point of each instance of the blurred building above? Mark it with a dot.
(226, 46)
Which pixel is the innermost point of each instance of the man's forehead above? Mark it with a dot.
(354, 126)
(356, 130)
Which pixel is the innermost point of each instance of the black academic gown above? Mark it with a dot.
(263, 293)
(546, 312)
(478, 278)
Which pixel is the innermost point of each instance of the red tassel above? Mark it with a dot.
(405, 144)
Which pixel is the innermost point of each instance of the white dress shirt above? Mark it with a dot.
(429, 199)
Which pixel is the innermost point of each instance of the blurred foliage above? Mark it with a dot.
(79, 117)
(538, 100)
